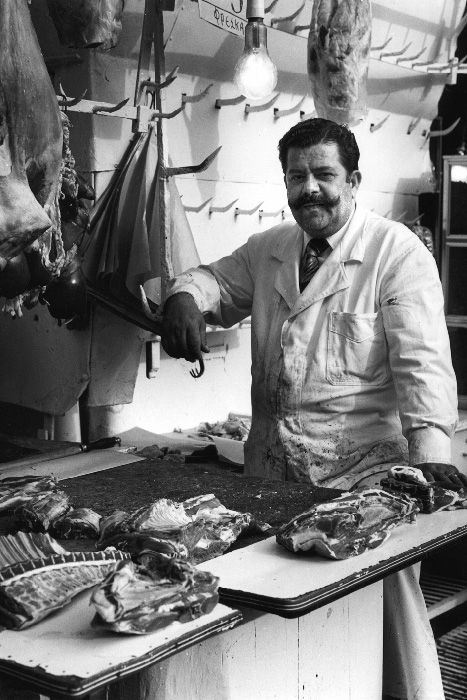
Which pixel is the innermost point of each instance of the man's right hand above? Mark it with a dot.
(183, 332)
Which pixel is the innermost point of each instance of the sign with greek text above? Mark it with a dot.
(229, 15)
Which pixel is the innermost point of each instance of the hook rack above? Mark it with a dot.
(260, 108)
(227, 102)
(248, 212)
(278, 113)
(375, 127)
(396, 53)
(151, 85)
(68, 101)
(288, 18)
(273, 214)
(199, 207)
(223, 209)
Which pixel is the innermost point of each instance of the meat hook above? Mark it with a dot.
(197, 373)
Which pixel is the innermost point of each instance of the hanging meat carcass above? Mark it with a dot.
(338, 58)
(87, 23)
(30, 146)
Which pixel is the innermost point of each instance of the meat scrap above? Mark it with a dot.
(338, 58)
(348, 525)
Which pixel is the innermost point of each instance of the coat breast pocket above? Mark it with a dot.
(357, 352)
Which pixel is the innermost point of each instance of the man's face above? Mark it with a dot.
(319, 190)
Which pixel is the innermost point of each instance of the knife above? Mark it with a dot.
(72, 449)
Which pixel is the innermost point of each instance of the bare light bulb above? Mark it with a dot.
(255, 75)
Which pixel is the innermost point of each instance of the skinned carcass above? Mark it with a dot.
(30, 148)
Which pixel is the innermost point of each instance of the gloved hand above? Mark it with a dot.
(183, 332)
(445, 475)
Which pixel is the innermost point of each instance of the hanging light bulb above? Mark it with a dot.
(255, 75)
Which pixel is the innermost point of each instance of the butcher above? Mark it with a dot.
(351, 364)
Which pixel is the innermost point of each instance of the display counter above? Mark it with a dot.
(310, 627)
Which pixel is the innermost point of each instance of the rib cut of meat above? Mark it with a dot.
(38, 576)
(338, 58)
(348, 525)
(30, 135)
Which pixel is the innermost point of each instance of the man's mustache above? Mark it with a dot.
(314, 199)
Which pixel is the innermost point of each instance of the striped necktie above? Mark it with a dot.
(309, 262)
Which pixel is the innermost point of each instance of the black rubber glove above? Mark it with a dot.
(445, 475)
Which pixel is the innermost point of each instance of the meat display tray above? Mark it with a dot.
(267, 577)
(65, 657)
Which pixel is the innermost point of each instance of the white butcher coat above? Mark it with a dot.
(349, 374)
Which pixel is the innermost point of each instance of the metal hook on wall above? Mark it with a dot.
(68, 101)
(381, 46)
(273, 214)
(443, 132)
(413, 124)
(396, 53)
(300, 28)
(229, 101)
(270, 7)
(109, 109)
(278, 113)
(310, 115)
(223, 209)
(151, 85)
(288, 18)
(260, 108)
(375, 127)
(248, 212)
(185, 99)
(411, 58)
(188, 169)
(198, 97)
(199, 207)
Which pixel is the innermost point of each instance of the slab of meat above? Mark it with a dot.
(412, 482)
(37, 576)
(140, 599)
(30, 136)
(338, 58)
(348, 525)
(15, 491)
(39, 513)
(78, 523)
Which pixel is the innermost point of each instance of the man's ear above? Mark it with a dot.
(355, 180)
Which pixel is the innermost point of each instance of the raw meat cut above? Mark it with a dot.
(39, 514)
(38, 576)
(338, 58)
(78, 523)
(348, 525)
(140, 599)
(411, 481)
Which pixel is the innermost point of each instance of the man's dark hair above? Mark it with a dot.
(310, 132)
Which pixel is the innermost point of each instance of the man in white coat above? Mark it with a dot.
(351, 365)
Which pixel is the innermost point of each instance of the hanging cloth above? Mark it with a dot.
(125, 228)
